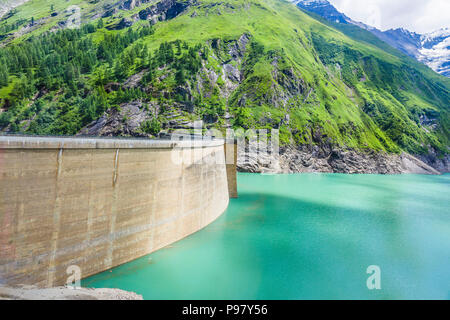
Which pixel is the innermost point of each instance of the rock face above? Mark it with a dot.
(123, 122)
(163, 10)
(110, 12)
(130, 4)
(122, 24)
(440, 164)
(160, 11)
(64, 293)
(309, 159)
(7, 5)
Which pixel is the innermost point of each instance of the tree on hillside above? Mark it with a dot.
(120, 71)
(3, 76)
(179, 77)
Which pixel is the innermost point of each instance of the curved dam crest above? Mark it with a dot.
(99, 203)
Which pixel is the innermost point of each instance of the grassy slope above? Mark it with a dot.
(344, 109)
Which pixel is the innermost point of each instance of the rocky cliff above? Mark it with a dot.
(314, 159)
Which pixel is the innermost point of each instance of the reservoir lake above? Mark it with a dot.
(307, 236)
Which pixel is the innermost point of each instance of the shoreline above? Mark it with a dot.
(315, 159)
(65, 293)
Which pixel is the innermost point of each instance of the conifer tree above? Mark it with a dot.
(3, 75)
(179, 77)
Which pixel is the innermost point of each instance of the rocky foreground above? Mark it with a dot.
(64, 293)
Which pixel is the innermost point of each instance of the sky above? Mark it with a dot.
(421, 16)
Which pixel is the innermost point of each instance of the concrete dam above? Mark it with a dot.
(98, 203)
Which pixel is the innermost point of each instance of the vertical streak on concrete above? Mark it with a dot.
(204, 185)
(56, 221)
(212, 193)
(18, 227)
(116, 165)
(182, 188)
(20, 219)
(152, 216)
(91, 202)
(112, 224)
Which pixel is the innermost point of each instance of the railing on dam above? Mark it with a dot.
(96, 203)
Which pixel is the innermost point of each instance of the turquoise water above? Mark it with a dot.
(309, 236)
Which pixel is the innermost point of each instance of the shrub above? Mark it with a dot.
(152, 127)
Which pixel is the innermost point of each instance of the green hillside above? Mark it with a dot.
(264, 63)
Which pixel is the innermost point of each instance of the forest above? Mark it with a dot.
(68, 67)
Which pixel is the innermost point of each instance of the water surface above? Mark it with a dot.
(308, 236)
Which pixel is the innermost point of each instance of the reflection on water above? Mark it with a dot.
(308, 236)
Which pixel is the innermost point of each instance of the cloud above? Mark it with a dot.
(421, 16)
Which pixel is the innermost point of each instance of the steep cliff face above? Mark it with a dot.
(160, 11)
(123, 121)
(163, 10)
(329, 159)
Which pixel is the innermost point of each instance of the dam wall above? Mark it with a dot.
(99, 203)
(231, 165)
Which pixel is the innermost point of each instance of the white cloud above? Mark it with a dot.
(421, 16)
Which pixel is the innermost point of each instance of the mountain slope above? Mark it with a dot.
(148, 67)
(431, 49)
(7, 5)
(324, 9)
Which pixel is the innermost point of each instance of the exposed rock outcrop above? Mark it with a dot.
(110, 12)
(441, 164)
(308, 159)
(7, 5)
(163, 10)
(122, 24)
(134, 80)
(124, 121)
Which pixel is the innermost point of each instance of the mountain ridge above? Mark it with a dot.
(418, 46)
